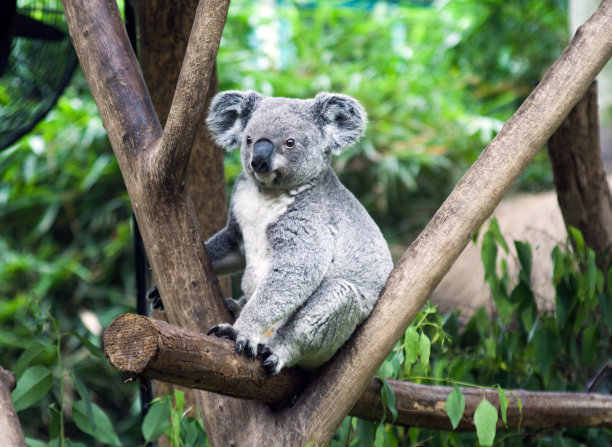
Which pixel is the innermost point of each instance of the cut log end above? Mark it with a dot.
(130, 343)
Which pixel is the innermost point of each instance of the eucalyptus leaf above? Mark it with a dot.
(485, 419)
(103, 430)
(34, 349)
(455, 406)
(35, 382)
(424, 349)
(503, 404)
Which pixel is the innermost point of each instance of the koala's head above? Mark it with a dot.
(285, 142)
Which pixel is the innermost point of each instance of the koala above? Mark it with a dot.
(314, 261)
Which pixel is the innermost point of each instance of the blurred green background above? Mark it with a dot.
(438, 80)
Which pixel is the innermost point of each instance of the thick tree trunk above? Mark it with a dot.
(10, 430)
(582, 189)
(164, 27)
(155, 349)
(154, 166)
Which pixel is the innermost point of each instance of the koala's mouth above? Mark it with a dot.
(266, 179)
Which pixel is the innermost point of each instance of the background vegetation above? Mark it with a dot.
(438, 80)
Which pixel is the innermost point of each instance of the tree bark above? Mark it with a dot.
(582, 188)
(10, 429)
(430, 256)
(164, 27)
(163, 32)
(155, 349)
(153, 164)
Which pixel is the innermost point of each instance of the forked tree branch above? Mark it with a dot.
(155, 349)
(176, 251)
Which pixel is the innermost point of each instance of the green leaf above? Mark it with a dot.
(455, 406)
(546, 344)
(590, 343)
(84, 393)
(103, 430)
(342, 434)
(519, 404)
(503, 404)
(411, 348)
(30, 442)
(497, 234)
(605, 306)
(179, 400)
(485, 419)
(366, 430)
(390, 398)
(591, 274)
(54, 421)
(93, 349)
(157, 420)
(26, 358)
(95, 172)
(70, 443)
(490, 346)
(35, 382)
(578, 239)
(523, 250)
(488, 253)
(424, 350)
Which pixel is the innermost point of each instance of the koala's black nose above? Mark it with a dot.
(262, 156)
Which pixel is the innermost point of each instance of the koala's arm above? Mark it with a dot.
(301, 256)
(225, 248)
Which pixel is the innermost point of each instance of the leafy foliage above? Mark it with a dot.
(437, 81)
(519, 348)
(65, 272)
(437, 84)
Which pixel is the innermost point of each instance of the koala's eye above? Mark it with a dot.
(249, 140)
(290, 143)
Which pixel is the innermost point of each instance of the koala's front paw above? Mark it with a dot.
(155, 298)
(244, 342)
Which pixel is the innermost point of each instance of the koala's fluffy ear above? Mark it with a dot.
(229, 114)
(342, 119)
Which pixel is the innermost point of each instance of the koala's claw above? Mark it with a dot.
(265, 352)
(223, 331)
(271, 364)
(155, 298)
(242, 342)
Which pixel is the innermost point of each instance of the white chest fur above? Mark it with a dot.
(255, 211)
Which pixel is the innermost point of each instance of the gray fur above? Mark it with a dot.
(314, 260)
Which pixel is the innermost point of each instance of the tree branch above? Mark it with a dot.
(151, 348)
(187, 110)
(114, 77)
(10, 430)
(471, 202)
(175, 248)
(580, 180)
(161, 203)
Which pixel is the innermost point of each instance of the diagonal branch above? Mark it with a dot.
(189, 99)
(114, 77)
(472, 201)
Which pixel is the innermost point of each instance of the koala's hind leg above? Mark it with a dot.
(316, 331)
